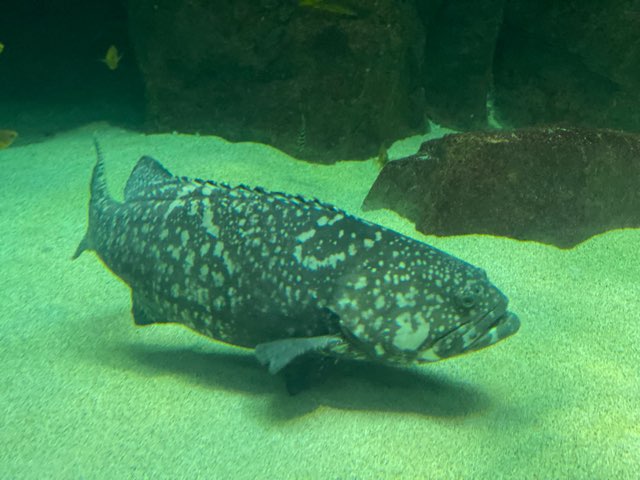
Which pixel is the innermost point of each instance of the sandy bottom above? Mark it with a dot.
(85, 394)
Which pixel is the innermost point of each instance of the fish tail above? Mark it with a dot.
(99, 197)
(99, 192)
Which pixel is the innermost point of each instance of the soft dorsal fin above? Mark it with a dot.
(146, 176)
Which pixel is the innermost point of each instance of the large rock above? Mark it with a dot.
(570, 61)
(553, 185)
(323, 83)
(460, 45)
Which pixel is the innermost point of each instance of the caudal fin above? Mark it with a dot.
(99, 197)
(99, 192)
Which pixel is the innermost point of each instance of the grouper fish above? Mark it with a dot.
(286, 275)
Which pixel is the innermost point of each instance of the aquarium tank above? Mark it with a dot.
(320, 239)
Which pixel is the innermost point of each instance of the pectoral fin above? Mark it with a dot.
(279, 353)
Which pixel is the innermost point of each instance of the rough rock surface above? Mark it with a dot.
(553, 185)
(323, 83)
(460, 45)
(329, 80)
(575, 62)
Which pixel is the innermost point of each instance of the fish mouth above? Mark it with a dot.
(488, 329)
(496, 325)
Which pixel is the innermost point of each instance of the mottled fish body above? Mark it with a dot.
(286, 275)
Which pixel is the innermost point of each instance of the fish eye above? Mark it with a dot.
(469, 295)
(467, 300)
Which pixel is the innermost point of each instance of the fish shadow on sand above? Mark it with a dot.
(348, 385)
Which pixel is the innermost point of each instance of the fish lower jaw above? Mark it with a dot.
(471, 337)
(504, 327)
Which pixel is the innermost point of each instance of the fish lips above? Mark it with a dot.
(495, 326)
(489, 329)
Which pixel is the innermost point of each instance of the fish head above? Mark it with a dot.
(423, 314)
(473, 315)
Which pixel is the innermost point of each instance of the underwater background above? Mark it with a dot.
(86, 394)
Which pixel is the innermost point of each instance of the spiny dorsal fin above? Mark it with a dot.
(146, 176)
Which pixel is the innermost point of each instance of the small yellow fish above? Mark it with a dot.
(7, 137)
(326, 6)
(1, 47)
(112, 58)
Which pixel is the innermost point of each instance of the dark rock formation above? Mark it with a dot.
(327, 80)
(323, 83)
(575, 62)
(322, 79)
(570, 61)
(460, 44)
(553, 185)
